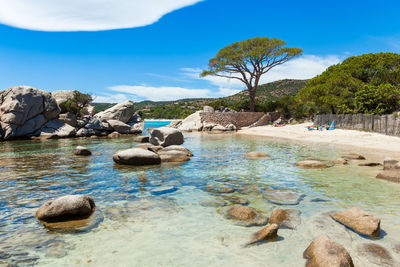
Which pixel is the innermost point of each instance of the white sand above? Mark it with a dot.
(359, 139)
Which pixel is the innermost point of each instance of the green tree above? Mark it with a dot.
(248, 60)
(368, 83)
(76, 103)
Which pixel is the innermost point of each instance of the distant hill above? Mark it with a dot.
(183, 107)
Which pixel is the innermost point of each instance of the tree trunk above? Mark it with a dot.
(252, 94)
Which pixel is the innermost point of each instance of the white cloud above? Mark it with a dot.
(111, 98)
(85, 15)
(162, 93)
(304, 67)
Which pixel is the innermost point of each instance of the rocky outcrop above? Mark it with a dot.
(56, 129)
(165, 136)
(69, 119)
(174, 153)
(121, 112)
(70, 207)
(323, 252)
(142, 139)
(24, 110)
(312, 164)
(136, 157)
(63, 96)
(82, 151)
(360, 221)
(390, 175)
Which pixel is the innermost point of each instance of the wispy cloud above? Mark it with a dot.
(111, 98)
(85, 15)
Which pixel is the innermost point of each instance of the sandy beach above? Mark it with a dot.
(339, 137)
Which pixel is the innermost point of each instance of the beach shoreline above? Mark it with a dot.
(338, 137)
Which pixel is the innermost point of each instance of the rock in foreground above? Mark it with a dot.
(288, 218)
(377, 254)
(390, 175)
(69, 207)
(136, 157)
(269, 232)
(360, 221)
(82, 151)
(323, 252)
(174, 153)
(165, 136)
(246, 216)
(312, 164)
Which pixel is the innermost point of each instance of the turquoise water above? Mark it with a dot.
(138, 226)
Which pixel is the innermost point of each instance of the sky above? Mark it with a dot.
(155, 49)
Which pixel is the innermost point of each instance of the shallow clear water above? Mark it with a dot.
(138, 226)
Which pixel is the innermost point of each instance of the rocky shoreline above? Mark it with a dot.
(27, 112)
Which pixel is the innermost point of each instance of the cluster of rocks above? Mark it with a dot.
(165, 146)
(223, 120)
(391, 170)
(29, 112)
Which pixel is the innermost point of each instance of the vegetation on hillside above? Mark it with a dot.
(368, 83)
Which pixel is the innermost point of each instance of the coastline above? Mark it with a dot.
(338, 137)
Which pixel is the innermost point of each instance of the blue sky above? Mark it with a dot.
(155, 50)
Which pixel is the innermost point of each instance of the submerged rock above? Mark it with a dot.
(82, 151)
(390, 175)
(236, 200)
(314, 164)
(376, 254)
(288, 218)
(340, 161)
(323, 252)
(137, 157)
(163, 190)
(220, 189)
(165, 136)
(360, 221)
(256, 155)
(174, 153)
(246, 216)
(353, 156)
(283, 197)
(66, 208)
(269, 232)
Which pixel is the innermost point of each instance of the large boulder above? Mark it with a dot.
(323, 252)
(24, 110)
(191, 123)
(88, 110)
(69, 207)
(63, 96)
(120, 127)
(360, 221)
(69, 119)
(142, 139)
(57, 129)
(121, 112)
(174, 153)
(165, 136)
(137, 157)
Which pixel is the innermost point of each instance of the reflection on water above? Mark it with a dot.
(168, 214)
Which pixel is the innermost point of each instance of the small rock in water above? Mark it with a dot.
(82, 151)
(360, 221)
(236, 200)
(283, 197)
(323, 252)
(312, 164)
(376, 254)
(220, 189)
(319, 200)
(353, 156)
(269, 232)
(370, 164)
(389, 163)
(256, 155)
(390, 175)
(247, 216)
(340, 161)
(69, 207)
(288, 218)
(163, 190)
(136, 157)
(214, 203)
